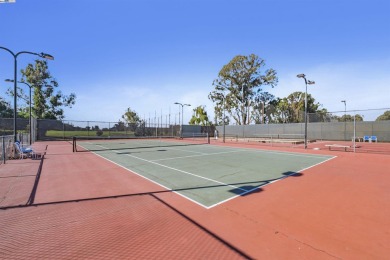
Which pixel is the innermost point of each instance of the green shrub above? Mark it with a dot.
(99, 132)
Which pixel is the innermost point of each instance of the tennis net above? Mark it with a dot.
(81, 143)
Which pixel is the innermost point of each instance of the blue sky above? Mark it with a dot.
(148, 54)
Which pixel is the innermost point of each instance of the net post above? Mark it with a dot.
(74, 143)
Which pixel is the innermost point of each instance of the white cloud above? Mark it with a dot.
(108, 104)
(364, 85)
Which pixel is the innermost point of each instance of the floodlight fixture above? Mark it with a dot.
(311, 82)
(181, 126)
(46, 56)
(301, 75)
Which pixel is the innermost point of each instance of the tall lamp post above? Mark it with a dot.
(306, 83)
(181, 126)
(30, 87)
(224, 118)
(345, 119)
(222, 96)
(15, 55)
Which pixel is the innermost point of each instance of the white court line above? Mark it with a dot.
(256, 150)
(185, 150)
(281, 178)
(198, 155)
(234, 150)
(142, 176)
(207, 207)
(192, 174)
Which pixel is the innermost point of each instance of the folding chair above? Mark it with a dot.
(23, 151)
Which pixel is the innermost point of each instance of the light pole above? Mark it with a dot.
(30, 87)
(243, 112)
(222, 96)
(306, 83)
(181, 126)
(263, 118)
(345, 119)
(224, 118)
(42, 55)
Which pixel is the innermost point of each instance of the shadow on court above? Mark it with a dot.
(292, 174)
(243, 189)
(246, 190)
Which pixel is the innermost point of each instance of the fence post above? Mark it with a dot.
(3, 149)
(354, 133)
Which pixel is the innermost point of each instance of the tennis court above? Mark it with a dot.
(100, 209)
(206, 174)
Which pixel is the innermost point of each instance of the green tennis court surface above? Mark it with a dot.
(205, 174)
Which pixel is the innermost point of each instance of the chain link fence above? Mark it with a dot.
(7, 136)
(63, 130)
(341, 125)
(48, 129)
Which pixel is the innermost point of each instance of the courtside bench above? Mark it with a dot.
(338, 146)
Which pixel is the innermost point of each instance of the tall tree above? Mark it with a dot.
(200, 116)
(23, 109)
(384, 116)
(281, 111)
(262, 108)
(238, 86)
(120, 126)
(349, 118)
(47, 102)
(5, 109)
(222, 103)
(291, 109)
(131, 119)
